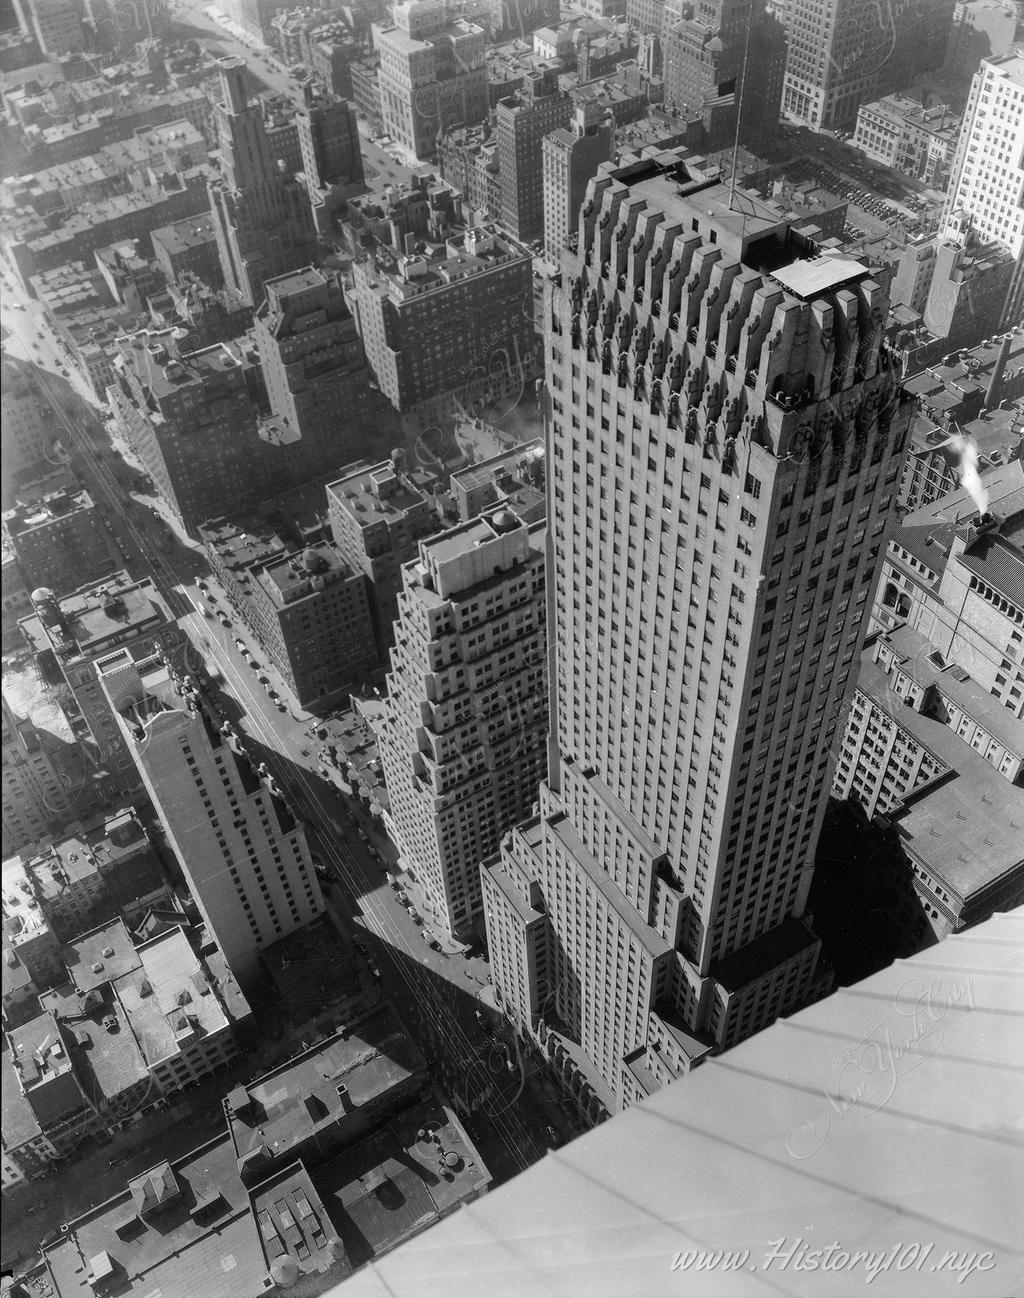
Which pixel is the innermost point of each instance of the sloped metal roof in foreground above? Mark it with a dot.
(886, 1121)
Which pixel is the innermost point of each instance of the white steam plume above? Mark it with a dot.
(969, 479)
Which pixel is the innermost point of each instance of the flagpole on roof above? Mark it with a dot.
(739, 93)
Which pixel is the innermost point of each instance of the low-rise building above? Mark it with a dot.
(901, 133)
(106, 867)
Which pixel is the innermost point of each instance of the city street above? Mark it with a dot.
(435, 993)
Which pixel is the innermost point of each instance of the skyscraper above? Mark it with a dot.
(843, 53)
(260, 212)
(727, 52)
(433, 73)
(987, 183)
(315, 372)
(243, 854)
(570, 156)
(463, 739)
(331, 161)
(522, 121)
(725, 429)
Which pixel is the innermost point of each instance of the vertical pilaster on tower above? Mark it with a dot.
(726, 428)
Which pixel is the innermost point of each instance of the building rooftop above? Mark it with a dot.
(967, 830)
(97, 615)
(100, 956)
(293, 1223)
(288, 1105)
(801, 1136)
(107, 1058)
(305, 573)
(192, 232)
(213, 1251)
(376, 493)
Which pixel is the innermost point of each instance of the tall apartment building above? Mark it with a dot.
(725, 433)
(463, 741)
(28, 427)
(843, 53)
(193, 420)
(433, 74)
(522, 121)
(260, 212)
(332, 163)
(69, 637)
(59, 540)
(40, 788)
(704, 69)
(312, 614)
(987, 180)
(570, 156)
(315, 373)
(444, 308)
(57, 25)
(243, 854)
(377, 515)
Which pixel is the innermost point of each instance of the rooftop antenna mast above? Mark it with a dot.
(739, 93)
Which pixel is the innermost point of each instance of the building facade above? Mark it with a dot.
(332, 163)
(260, 212)
(59, 541)
(377, 515)
(322, 410)
(464, 739)
(900, 133)
(843, 53)
(432, 75)
(522, 122)
(193, 420)
(444, 308)
(725, 439)
(312, 614)
(243, 854)
(570, 156)
(704, 62)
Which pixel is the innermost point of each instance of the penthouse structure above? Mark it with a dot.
(725, 436)
(260, 212)
(444, 308)
(463, 740)
(70, 637)
(243, 854)
(433, 74)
